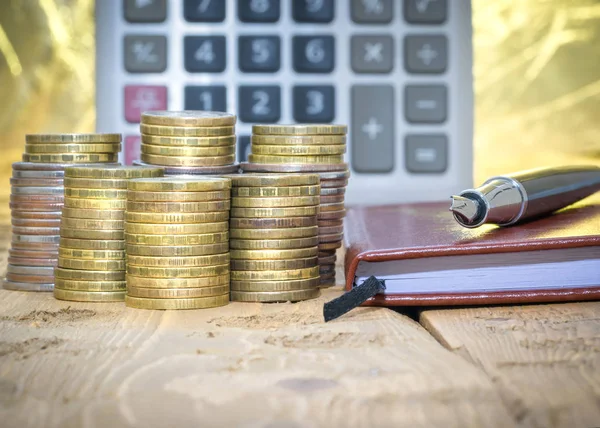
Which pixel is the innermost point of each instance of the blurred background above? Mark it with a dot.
(536, 69)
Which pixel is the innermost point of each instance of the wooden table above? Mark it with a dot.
(65, 364)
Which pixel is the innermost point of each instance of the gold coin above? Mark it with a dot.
(267, 192)
(293, 201)
(91, 244)
(96, 204)
(95, 183)
(273, 286)
(67, 284)
(72, 138)
(95, 193)
(295, 232)
(113, 172)
(187, 160)
(316, 129)
(306, 262)
(207, 281)
(188, 118)
(92, 234)
(72, 148)
(274, 296)
(272, 223)
(75, 253)
(269, 159)
(178, 272)
(275, 212)
(93, 214)
(92, 224)
(89, 275)
(210, 260)
(274, 180)
(177, 293)
(287, 150)
(89, 296)
(274, 275)
(171, 196)
(179, 218)
(296, 253)
(97, 265)
(177, 207)
(188, 151)
(272, 244)
(172, 240)
(176, 229)
(298, 140)
(177, 251)
(180, 184)
(166, 304)
(71, 157)
(156, 140)
(187, 131)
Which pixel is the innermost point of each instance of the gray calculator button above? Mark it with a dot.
(372, 54)
(145, 54)
(372, 122)
(258, 10)
(314, 104)
(425, 11)
(260, 104)
(313, 54)
(204, 10)
(426, 153)
(243, 148)
(204, 54)
(425, 54)
(313, 10)
(259, 54)
(211, 98)
(372, 11)
(145, 10)
(425, 104)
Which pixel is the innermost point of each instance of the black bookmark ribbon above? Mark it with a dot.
(353, 298)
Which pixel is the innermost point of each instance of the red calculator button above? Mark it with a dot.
(140, 98)
(132, 148)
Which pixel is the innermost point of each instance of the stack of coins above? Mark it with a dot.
(177, 236)
(274, 237)
(189, 142)
(37, 200)
(91, 255)
(309, 149)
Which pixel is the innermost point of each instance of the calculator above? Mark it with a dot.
(399, 73)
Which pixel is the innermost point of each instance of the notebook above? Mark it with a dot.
(426, 258)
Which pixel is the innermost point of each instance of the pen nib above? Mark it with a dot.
(464, 209)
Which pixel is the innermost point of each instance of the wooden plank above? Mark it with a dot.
(544, 359)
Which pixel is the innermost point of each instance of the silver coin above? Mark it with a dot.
(31, 270)
(201, 170)
(335, 175)
(38, 190)
(37, 182)
(59, 174)
(50, 239)
(36, 230)
(333, 191)
(25, 286)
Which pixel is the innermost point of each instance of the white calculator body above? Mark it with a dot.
(398, 72)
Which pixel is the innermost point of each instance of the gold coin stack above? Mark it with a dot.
(37, 199)
(177, 236)
(189, 142)
(315, 149)
(274, 238)
(91, 255)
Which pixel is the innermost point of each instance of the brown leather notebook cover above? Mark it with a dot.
(428, 230)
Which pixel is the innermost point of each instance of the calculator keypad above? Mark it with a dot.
(372, 12)
(258, 10)
(259, 54)
(145, 11)
(207, 97)
(372, 54)
(426, 11)
(145, 54)
(204, 10)
(314, 54)
(311, 11)
(259, 104)
(205, 54)
(314, 104)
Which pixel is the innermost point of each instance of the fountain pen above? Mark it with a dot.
(513, 198)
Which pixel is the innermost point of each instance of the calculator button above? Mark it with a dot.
(211, 98)
(425, 11)
(313, 10)
(145, 54)
(372, 11)
(425, 104)
(259, 54)
(205, 54)
(372, 54)
(204, 10)
(145, 10)
(425, 54)
(243, 148)
(140, 98)
(426, 153)
(372, 128)
(258, 10)
(314, 104)
(132, 148)
(259, 104)
(313, 54)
